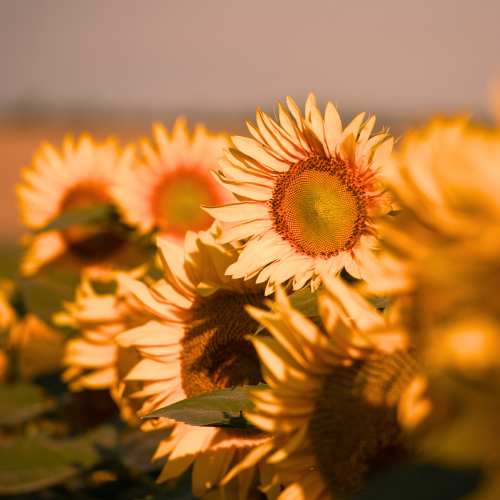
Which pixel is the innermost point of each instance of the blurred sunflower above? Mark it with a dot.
(8, 314)
(198, 344)
(93, 360)
(307, 193)
(447, 242)
(8, 317)
(332, 407)
(446, 238)
(81, 177)
(166, 190)
(446, 181)
(38, 348)
(23, 337)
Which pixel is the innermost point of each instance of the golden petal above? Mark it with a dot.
(257, 151)
(353, 127)
(238, 212)
(254, 456)
(251, 190)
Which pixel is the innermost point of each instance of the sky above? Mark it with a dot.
(112, 67)
(228, 56)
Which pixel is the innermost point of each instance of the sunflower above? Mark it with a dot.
(8, 318)
(307, 193)
(30, 336)
(446, 240)
(81, 177)
(93, 360)
(23, 336)
(165, 191)
(332, 407)
(451, 411)
(197, 344)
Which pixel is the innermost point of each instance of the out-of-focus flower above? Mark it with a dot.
(166, 190)
(81, 177)
(447, 243)
(446, 182)
(198, 344)
(446, 239)
(94, 360)
(335, 390)
(38, 347)
(307, 192)
(452, 413)
(8, 315)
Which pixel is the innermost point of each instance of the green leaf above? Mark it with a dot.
(20, 402)
(31, 463)
(380, 301)
(99, 213)
(217, 408)
(304, 301)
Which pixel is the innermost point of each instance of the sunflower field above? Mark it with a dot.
(305, 312)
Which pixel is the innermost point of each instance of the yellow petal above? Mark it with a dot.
(235, 212)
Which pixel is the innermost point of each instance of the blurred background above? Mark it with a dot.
(114, 67)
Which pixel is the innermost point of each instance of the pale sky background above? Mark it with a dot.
(114, 66)
(227, 56)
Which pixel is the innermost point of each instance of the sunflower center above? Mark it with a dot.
(84, 195)
(215, 354)
(319, 206)
(90, 241)
(177, 199)
(354, 428)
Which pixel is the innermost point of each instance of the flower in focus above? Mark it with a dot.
(81, 177)
(307, 193)
(196, 344)
(332, 407)
(166, 190)
(93, 360)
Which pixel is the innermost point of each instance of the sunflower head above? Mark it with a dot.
(207, 309)
(332, 410)
(319, 214)
(196, 342)
(80, 177)
(446, 181)
(104, 307)
(308, 192)
(164, 190)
